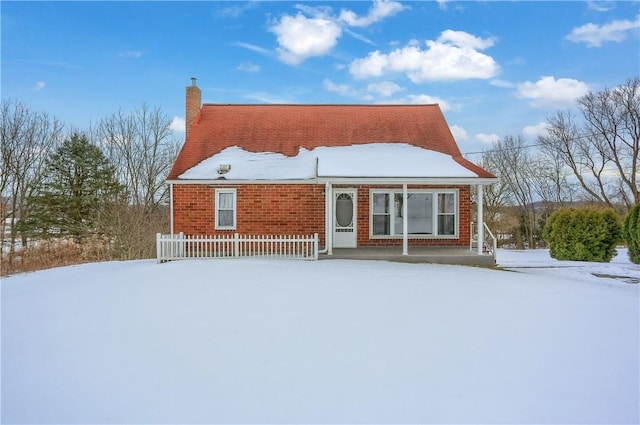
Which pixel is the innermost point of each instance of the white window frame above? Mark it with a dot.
(234, 206)
(435, 213)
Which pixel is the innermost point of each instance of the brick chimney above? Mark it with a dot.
(193, 103)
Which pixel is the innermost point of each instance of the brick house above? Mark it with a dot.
(358, 175)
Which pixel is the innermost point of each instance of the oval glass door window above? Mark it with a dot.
(344, 210)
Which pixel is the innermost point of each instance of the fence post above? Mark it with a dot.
(315, 246)
(236, 245)
(158, 249)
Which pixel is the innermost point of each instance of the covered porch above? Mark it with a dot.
(354, 235)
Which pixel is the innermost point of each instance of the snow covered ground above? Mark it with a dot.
(259, 341)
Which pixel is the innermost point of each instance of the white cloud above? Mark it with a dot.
(595, 35)
(359, 36)
(464, 39)
(548, 91)
(300, 38)
(248, 67)
(314, 30)
(442, 4)
(532, 132)
(425, 99)
(341, 89)
(178, 124)
(267, 98)
(380, 93)
(384, 88)
(459, 133)
(130, 54)
(502, 83)
(380, 10)
(599, 6)
(39, 85)
(419, 99)
(454, 55)
(487, 139)
(236, 10)
(253, 48)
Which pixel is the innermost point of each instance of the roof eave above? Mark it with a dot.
(348, 180)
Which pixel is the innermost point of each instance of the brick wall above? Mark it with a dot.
(262, 209)
(294, 209)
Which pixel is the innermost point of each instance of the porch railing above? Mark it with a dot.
(179, 246)
(489, 242)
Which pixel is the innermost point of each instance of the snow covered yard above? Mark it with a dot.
(258, 341)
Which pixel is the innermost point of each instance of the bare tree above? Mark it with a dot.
(511, 160)
(143, 147)
(553, 182)
(603, 150)
(27, 138)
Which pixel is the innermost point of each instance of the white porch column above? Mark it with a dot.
(405, 231)
(329, 217)
(480, 219)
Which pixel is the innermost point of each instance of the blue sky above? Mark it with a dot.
(496, 68)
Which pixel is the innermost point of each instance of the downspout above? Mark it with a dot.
(326, 219)
(171, 208)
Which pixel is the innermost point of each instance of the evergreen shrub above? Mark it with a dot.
(583, 234)
(631, 233)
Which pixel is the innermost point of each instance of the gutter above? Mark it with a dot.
(351, 180)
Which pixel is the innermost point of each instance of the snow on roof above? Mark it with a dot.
(366, 160)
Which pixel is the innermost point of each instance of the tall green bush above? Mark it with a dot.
(631, 233)
(583, 234)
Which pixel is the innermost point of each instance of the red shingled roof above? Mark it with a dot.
(286, 128)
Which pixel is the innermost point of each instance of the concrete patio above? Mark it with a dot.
(436, 255)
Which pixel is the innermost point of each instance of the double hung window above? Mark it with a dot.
(429, 213)
(225, 209)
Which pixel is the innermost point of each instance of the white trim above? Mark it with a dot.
(393, 191)
(465, 181)
(405, 221)
(352, 181)
(326, 250)
(329, 219)
(224, 182)
(353, 192)
(235, 208)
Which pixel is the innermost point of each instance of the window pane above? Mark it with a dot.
(419, 213)
(225, 218)
(225, 201)
(446, 203)
(397, 225)
(446, 224)
(397, 204)
(380, 203)
(381, 225)
(344, 210)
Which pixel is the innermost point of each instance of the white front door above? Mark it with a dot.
(344, 218)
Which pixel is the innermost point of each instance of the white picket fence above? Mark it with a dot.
(179, 246)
